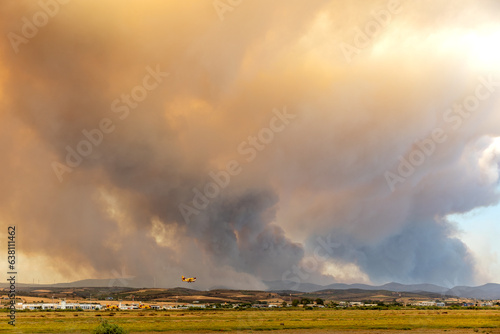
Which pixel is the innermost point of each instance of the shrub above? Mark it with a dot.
(106, 328)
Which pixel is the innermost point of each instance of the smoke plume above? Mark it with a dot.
(221, 143)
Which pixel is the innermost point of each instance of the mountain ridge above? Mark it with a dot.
(485, 291)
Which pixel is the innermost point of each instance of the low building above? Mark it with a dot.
(195, 305)
(59, 306)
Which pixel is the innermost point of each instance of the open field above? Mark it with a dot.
(248, 321)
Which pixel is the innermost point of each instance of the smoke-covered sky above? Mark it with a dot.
(246, 141)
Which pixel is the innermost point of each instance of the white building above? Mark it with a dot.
(58, 306)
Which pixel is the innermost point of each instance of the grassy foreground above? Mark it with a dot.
(248, 321)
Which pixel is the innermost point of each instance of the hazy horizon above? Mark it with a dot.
(195, 287)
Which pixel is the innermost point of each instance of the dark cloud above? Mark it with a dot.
(118, 210)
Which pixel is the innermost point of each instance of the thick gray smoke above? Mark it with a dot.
(222, 143)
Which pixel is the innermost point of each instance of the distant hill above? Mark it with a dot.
(414, 288)
(486, 291)
(362, 295)
(125, 282)
(292, 286)
(396, 287)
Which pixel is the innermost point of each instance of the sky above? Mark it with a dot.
(242, 142)
(479, 232)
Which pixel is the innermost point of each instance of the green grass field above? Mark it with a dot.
(248, 321)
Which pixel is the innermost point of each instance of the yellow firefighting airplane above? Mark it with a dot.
(189, 280)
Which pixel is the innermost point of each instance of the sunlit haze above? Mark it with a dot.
(315, 141)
